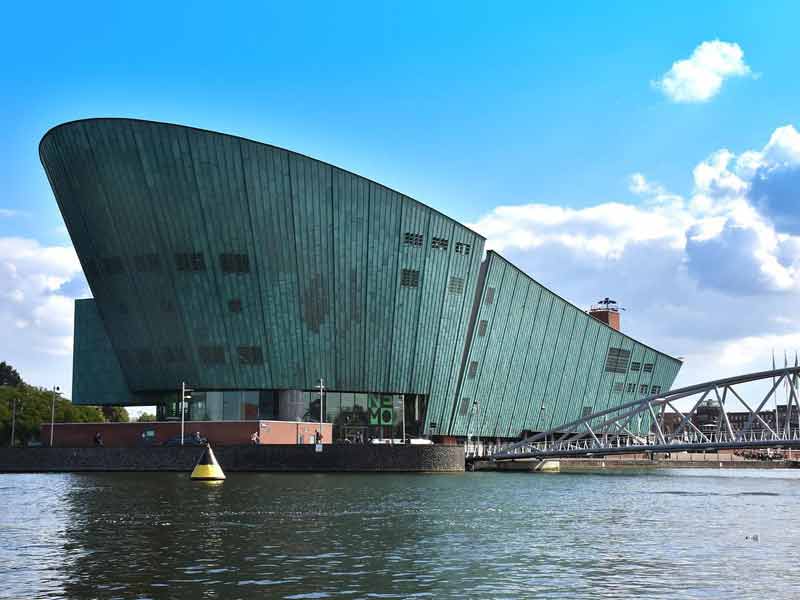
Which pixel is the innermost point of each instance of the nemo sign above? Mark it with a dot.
(381, 410)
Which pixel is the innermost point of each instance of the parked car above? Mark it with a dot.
(188, 440)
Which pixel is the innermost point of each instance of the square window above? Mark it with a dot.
(439, 243)
(147, 263)
(235, 305)
(643, 388)
(412, 239)
(250, 355)
(473, 369)
(648, 368)
(182, 262)
(463, 248)
(482, 327)
(456, 285)
(212, 355)
(409, 278)
(190, 261)
(198, 261)
(617, 360)
(234, 263)
(636, 366)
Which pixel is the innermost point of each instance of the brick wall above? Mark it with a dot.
(219, 433)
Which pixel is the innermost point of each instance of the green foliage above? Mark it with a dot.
(9, 375)
(146, 418)
(116, 414)
(33, 409)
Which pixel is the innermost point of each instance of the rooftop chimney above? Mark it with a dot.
(607, 311)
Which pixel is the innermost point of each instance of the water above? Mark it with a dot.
(662, 534)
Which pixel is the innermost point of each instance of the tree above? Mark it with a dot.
(9, 375)
(116, 414)
(33, 409)
(146, 418)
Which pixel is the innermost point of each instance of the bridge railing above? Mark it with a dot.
(618, 428)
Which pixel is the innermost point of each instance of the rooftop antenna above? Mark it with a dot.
(609, 304)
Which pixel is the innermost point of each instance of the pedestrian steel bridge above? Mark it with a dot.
(640, 426)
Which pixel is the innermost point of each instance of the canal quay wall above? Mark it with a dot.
(266, 458)
(578, 465)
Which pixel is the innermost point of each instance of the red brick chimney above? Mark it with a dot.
(606, 311)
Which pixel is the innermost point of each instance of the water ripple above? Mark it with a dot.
(487, 535)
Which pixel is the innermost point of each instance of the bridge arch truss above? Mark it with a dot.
(617, 430)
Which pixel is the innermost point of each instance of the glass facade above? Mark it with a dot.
(356, 417)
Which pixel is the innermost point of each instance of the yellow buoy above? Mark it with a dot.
(207, 468)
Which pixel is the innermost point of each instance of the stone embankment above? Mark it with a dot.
(284, 458)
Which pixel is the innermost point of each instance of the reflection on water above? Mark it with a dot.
(666, 534)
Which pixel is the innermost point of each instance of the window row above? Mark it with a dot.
(630, 388)
(408, 278)
(151, 263)
(168, 306)
(411, 238)
(637, 366)
(209, 355)
(472, 370)
(617, 362)
(230, 262)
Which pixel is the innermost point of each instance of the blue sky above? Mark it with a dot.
(469, 107)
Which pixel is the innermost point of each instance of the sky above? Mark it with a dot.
(644, 151)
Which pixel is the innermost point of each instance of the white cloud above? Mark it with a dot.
(712, 276)
(8, 212)
(35, 311)
(699, 77)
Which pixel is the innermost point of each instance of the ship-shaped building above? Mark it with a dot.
(252, 272)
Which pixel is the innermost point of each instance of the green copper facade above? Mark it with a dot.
(236, 265)
(533, 360)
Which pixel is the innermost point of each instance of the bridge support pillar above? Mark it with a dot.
(548, 466)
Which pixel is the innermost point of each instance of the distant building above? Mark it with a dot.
(251, 272)
(708, 418)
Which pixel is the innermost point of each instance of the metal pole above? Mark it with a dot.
(404, 418)
(13, 421)
(183, 399)
(478, 421)
(777, 425)
(321, 388)
(53, 413)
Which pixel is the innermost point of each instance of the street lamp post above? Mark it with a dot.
(56, 389)
(321, 388)
(404, 417)
(541, 419)
(477, 405)
(469, 424)
(186, 394)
